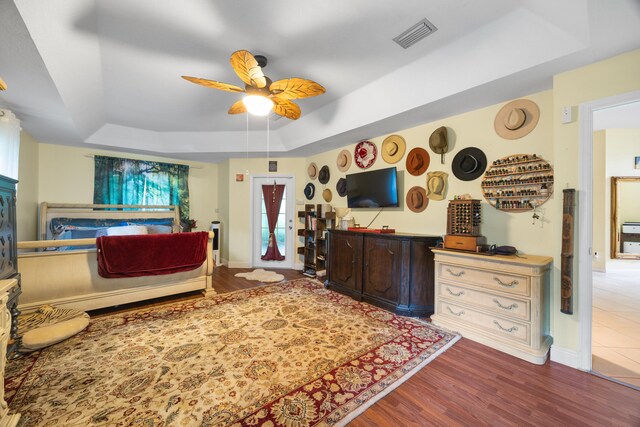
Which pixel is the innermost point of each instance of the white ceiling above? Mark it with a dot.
(106, 73)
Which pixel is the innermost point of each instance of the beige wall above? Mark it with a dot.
(65, 175)
(614, 76)
(28, 181)
(470, 129)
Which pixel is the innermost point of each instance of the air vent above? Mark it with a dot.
(416, 33)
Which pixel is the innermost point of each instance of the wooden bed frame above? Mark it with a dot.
(69, 279)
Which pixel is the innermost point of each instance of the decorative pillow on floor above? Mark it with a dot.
(49, 325)
(262, 276)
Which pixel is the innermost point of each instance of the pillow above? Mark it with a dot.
(159, 229)
(127, 230)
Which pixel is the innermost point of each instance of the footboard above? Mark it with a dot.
(70, 279)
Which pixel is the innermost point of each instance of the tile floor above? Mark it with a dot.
(616, 324)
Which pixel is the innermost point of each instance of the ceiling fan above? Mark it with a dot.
(260, 90)
(3, 85)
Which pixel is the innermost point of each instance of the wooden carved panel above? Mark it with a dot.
(345, 260)
(382, 269)
(566, 269)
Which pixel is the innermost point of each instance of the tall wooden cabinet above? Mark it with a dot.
(314, 249)
(9, 286)
(391, 271)
(499, 301)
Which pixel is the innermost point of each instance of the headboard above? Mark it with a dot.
(136, 213)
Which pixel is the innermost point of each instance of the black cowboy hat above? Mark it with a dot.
(341, 187)
(324, 175)
(309, 191)
(469, 163)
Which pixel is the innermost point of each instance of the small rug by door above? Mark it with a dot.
(262, 276)
(291, 354)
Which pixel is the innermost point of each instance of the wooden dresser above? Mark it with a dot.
(499, 301)
(391, 271)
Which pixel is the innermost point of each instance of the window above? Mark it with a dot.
(120, 181)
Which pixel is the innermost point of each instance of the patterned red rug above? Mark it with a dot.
(290, 354)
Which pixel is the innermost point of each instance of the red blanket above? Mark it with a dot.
(150, 254)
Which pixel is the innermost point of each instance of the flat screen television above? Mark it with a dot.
(373, 189)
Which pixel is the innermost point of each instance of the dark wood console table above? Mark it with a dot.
(391, 271)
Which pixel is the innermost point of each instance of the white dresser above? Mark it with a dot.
(499, 301)
(6, 420)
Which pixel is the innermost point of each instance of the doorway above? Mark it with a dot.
(598, 289)
(283, 232)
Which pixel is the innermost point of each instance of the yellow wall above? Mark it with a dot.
(470, 129)
(65, 175)
(28, 181)
(614, 76)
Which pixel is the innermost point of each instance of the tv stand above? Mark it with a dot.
(391, 271)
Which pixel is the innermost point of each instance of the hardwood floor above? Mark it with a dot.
(474, 385)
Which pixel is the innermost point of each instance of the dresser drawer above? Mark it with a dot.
(513, 307)
(505, 282)
(5, 316)
(494, 325)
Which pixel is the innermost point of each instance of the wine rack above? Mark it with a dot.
(463, 217)
(518, 183)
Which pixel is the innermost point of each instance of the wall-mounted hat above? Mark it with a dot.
(436, 185)
(417, 199)
(327, 195)
(393, 148)
(309, 191)
(341, 187)
(469, 163)
(365, 154)
(439, 142)
(312, 170)
(418, 161)
(343, 161)
(516, 119)
(324, 175)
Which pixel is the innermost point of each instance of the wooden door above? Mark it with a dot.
(345, 262)
(382, 268)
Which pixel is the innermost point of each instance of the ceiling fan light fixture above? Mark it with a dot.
(258, 105)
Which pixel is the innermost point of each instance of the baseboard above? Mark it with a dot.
(298, 266)
(224, 262)
(565, 356)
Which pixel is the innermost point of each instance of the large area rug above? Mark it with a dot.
(290, 354)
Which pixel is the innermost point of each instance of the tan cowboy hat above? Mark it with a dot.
(312, 170)
(418, 161)
(417, 199)
(393, 148)
(343, 161)
(436, 185)
(327, 195)
(439, 142)
(516, 119)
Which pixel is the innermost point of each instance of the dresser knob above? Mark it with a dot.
(508, 285)
(460, 273)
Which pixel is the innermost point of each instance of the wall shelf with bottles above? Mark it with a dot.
(518, 183)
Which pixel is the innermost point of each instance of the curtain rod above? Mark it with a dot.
(181, 164)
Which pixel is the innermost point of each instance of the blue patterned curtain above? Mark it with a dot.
(136, 182)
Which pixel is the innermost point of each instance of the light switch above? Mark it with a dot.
(567, 114)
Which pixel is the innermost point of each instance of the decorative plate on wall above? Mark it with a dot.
(518, 183)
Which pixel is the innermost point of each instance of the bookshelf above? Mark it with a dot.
(314, 223)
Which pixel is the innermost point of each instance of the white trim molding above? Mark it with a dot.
(564, 356)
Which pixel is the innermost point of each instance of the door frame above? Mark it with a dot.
(291, 205)
(585, 223)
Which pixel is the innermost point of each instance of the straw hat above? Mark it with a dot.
(439, 142)
(418, 161)
(324, 174)
(365, 154)
(393, 148)
(312, 170)
(516, 119)
(469, 163)
(436, 185)
(341, 187)
(309, 191)
(327, 195)
(417, 199)
(343, 161)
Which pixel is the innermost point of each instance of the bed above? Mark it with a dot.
(61, 268)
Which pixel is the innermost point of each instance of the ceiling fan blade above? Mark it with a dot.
(213, 84)
(3, 85)
(286, 108)
(295, 88)
(247, 68)
(238, 107)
